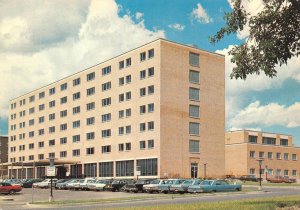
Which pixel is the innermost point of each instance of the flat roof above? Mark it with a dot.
(256, 131)
(119, 55)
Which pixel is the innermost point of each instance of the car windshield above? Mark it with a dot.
(206, 182)
(187, 182)
(169, 181)
(116, 182)
(155, 181)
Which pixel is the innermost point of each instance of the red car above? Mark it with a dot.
(7, 188)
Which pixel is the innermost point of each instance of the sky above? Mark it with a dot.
(43, 41)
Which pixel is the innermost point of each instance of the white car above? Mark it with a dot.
(72, 184)
(153, 186)
(45, 184)
(98, 185)
(83, 183)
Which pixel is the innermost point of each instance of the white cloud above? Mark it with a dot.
(268, 115)
(138, 15)
(176, 26)
(96, 33)
(237, 91)
(199, 14)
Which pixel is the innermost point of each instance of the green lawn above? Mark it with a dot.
(249, 204)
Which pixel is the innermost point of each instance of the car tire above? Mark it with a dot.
(12, 192)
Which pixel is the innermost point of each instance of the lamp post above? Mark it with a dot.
(204, 166)
(260, 163)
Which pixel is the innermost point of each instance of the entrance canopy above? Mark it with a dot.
(41, 163)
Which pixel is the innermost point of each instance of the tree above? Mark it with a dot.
(274, 36)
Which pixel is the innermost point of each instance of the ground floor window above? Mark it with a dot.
(90, 169)
(40, 172)
(106, 169)
(30, 173)
(124, 168)
(76, 170)
(252, 171)
(148, 167)
(194, 170)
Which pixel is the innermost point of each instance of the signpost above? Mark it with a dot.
(51, 172)
(138, 172)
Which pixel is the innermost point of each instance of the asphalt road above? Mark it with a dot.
(268, 192)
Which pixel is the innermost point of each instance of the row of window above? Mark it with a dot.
(91, 76)
(89, 151)
(270, 155)
(278, 172)
(267, 140)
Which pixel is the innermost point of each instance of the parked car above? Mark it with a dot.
(45, 184)
(13, 181)
(29, 182)
(62, 185)
(98, 185)
(137, 186)
(74, 184)
(117, 184)
(7, 188)
(214, 186)
(152, 186)
(280, 179)
(83, 183)
(252, 178)
(183, 187)
(164, 187)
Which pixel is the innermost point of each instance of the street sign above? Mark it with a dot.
(51, 171)
(138, 173)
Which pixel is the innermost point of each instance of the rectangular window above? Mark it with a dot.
(90, 151)
(194, 146)
(63, 100)
(128, 96)
(151, 107)
(148, 167)
(121, 147)
(142, 144)
(128, 146)
(41, 156)
(142, 127)
(294, 173)
(121, 130)
(252, 154)
(63, 154)
(278, 172)
(106, 133)
(31, 157)
(150, 53)
(128, 79)
(128, 62)
(142, 92)
(150, 144)
(90, 106)
(76, 124)
(294, 156)
(52, 104)
(106, 117)
(143, 56)
(41, 144)
(31, 146)
(128, 129)
(90, 91)
(269, 140)
(90, 121)
(52, 142)
(194, 59)
(106, 101)
(121, 97)
(143, 74)
(41, 95)
(76, 110)
(252, 171)
(41, 107)
(76, 82)
(194, 111)
(76, 138)
(125, 168)
(194, 77)
(194, 128)
(252, 139)
(151, 125)
(194, 94)
(121, 64)
(31, 110)
(52, 91)
(261, 155)
(31, 99)
(31, 122)
(151, 72)
(106, 86)
(278, 156)
(41, 132)
(90, 76)
(63, 87)
(106, 169)
(76, 152)
(121, 114)
(270, 155)
(106, 149)
(286, 156)
(286, 172)
(63, 113)
(142, 109)
(52, 129)
(121, 81)
(106, 70)
(150, 89)
(90, 136)
(63, 140)
(63, 127)
(284, 142)
(76, 96)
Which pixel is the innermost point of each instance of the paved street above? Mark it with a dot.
(21, 199)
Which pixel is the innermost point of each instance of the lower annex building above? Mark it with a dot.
(243, 149)
(158, 109)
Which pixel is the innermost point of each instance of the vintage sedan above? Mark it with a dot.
(98, 185)
(137, 186)
(164, 187)
(153, 186)
(29, 182)
(117, 184)
(214, 186)
(45, 184)
(7, 188)
(183, 187)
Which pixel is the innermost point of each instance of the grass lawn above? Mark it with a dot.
(249, 204)
(271, 184)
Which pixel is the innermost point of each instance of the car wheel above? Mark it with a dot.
(12, 192)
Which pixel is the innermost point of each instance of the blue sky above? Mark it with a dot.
(87, 32)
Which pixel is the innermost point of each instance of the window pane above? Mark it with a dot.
(194, 111)
(194, 128)
(194, 59)
(194, 94)
(194, 77)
